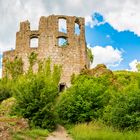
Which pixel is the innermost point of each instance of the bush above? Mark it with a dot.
(84, 100)
(123, 112)
(5, 89)
(4, 93)
(36, 94)
(115, 101)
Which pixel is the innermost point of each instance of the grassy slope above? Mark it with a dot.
(95, 131)
(92, 131)
(127, 73)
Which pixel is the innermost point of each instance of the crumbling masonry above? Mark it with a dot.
(72, 56)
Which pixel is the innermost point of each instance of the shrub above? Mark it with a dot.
(84, 100)
(5, 89)
(36, 94)
(4, 93)
(123, 112)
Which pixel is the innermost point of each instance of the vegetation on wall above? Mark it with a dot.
(90, 55)
(32, 58)
(14, 68)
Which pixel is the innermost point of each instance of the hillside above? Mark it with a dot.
(98, 100)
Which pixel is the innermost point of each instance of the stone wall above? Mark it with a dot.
(72, 56)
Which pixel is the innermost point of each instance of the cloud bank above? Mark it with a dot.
(122, 15)
(133, 65)
(106, 55)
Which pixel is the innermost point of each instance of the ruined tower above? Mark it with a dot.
(72, 54)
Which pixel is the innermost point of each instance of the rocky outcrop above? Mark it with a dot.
(98, 71)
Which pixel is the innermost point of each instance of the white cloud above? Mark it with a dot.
(122, 15)
(133, 64)
(106, 55)
(5, 47)
(89, 21)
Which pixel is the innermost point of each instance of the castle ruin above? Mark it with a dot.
(72, 55)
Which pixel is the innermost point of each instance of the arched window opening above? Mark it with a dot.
(62, 42)
(34, 42)
(77, 29)
(62, 25)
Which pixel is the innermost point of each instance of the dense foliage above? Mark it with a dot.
(114, 100)
(123, 112)
(5, 89)
(4, 93)
(36, 94)
(85, 100)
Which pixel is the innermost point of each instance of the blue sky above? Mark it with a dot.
(112, 28)
(104, 34)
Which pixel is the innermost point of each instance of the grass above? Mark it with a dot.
(32, 134)
(96, 131)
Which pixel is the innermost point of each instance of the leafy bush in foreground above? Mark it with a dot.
(124, 110)
(115, 101)
(36, 94)
(84, 100)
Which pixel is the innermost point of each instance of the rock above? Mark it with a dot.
(98, 71)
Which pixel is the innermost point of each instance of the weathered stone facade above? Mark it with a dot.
(72, 56)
